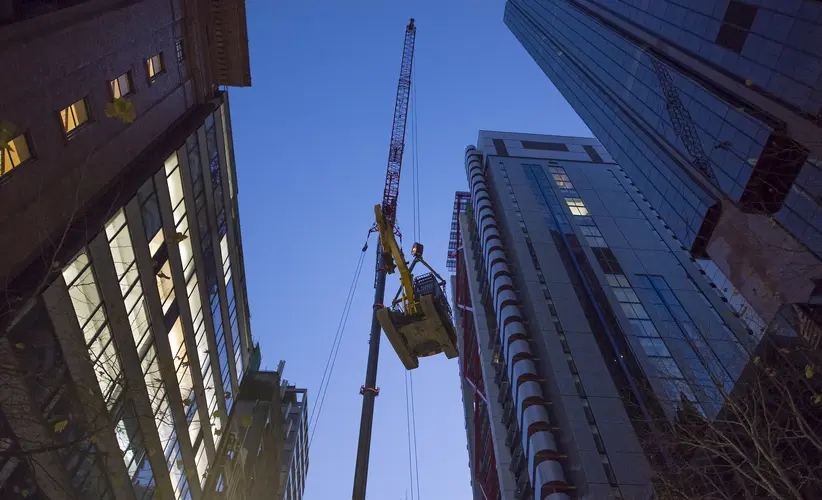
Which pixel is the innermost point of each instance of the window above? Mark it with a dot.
(595, 157)
(563, 181)
(121, 86)
(644, 327)
(577, 206)
(181, 55)
(634, 311)
(593, 236)
(607, 261)
(737, 21)
(74, 116)
(18, 152)
(654, 346)
(774, 175)
(585, 221)
(674, 387)
(544, 146)
(618, 280)
(91, 317)
(154, 65)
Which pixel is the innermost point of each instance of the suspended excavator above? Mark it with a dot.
(418, 321)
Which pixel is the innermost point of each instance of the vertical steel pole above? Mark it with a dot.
(369, 390)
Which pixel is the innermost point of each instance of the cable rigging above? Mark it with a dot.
(411, 418)
(335, 345)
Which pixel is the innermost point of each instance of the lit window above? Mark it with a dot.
(563, 181)
(121, 86)
(18, 152)
(577, 206)
(74, 116)
(155, 66)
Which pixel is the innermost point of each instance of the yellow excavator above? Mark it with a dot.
(418, 322)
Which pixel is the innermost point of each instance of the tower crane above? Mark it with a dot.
(418, 321)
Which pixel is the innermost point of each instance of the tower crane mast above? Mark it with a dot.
(388, 207)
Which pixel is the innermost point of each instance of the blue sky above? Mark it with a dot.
(311, 138)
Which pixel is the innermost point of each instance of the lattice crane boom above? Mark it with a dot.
(397, 146)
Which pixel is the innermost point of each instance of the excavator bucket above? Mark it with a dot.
(428, 332)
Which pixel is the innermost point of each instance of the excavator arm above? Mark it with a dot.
(392, 256)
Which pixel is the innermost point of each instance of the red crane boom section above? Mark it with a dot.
(395, 150)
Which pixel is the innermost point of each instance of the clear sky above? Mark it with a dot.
(311, 138)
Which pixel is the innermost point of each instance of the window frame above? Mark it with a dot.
(68, 134)
(180, 50)
(577, 206)
(160, 57)
(131, 89)
(6, 157)
(545, 146)
(734, 29)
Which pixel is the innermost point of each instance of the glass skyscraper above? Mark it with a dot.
(713, 110)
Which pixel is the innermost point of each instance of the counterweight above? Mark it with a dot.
(369, 391)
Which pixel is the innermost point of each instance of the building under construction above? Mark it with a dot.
(266, 445)
(581, 322)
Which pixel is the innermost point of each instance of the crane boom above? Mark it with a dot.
(397, 146)
(370, 391)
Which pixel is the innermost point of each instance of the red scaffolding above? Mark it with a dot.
(484, 459)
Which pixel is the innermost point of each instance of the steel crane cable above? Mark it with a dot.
(408, 431)
(335, 346)
(410, 411)
(414, 430)
(415, 147)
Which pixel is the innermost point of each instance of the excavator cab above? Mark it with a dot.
(419, 322)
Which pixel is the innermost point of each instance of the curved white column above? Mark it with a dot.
(538, 443)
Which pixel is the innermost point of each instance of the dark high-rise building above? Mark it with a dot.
(581, 321)
(266, 433)
(714, 109)
(124, 311)
(68, 147)
(118, 377)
